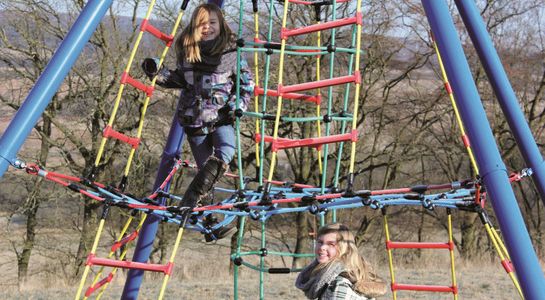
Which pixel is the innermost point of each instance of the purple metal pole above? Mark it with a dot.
(504, 92)
(147, 235)
(492, 169)
(47, 85)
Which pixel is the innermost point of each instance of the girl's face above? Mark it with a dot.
(326, 247)
(211, 28)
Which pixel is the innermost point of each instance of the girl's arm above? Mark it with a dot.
(339, 289)
(171, 79)
(246, 86)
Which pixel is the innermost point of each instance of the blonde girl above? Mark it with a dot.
(339, 271)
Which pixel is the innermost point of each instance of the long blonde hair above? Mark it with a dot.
(357, 269)
(187, 43)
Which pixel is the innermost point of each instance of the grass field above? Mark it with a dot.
(202, 272)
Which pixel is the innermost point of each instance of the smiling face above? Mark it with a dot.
(210, 27)
(326, 247)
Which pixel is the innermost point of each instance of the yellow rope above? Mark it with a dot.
(390, 256)
(451, 252)
(256, 97)
(173, 254)
(279, 101)
(119, 238)
(122, 255)
(93, 251)
(318, 92)
(496, 241)
(122, 86)
(455, 107)
(357, 89)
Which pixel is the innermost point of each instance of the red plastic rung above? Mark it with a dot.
(98, 285)
(285, 33)
(93, 260)
(310, 98)
(465, 140)
(110, 132)
(268, 138)
(126, 79)
(507, 265)
(416, 245)
(448, 88)
(318, 84)
(427, 288)
(124, 241)
(311, 142)
(311, 2)
(146, 26)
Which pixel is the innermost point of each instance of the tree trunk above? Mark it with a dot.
(469, 238)
(23, 258)
(32, 205)
(88, 232)
(302, 243)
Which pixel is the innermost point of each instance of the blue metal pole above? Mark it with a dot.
(148, 233)
(47, 85)
(504, 92)
(144, 245)
(492, 169)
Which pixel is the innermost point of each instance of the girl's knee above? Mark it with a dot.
(225, 153)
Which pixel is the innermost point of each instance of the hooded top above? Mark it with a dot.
(208, 90)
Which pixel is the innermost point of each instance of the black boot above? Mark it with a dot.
(218, 233)
(204, 181)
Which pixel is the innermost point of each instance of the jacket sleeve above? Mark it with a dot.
(171, 79)
(246, 85)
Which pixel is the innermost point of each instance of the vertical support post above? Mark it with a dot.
(493, 171)
(52, 77)
(504, 92)
(144, 245)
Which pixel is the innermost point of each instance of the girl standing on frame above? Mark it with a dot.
(339, 271)
(206, 74)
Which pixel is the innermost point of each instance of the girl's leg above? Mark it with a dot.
(201, 148)
(224, 143)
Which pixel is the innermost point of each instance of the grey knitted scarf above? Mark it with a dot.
(314, 284)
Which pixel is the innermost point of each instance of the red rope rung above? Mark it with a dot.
(285, 33)
(124, 241)
(294, 96)
(417, 245)
(110, 132)
(146, 26)
(126, 79)
(427, 288)
(355, 78)
(93, 260)
(99, 284)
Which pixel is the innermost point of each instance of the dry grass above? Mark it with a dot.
(202, 272)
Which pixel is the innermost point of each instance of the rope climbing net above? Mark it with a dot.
(334, 103)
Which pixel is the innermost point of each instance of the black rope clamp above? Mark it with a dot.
(263, 252)
(307, 200)
(237, 261)
(242, 206)
(296, 189)
(315, 208)
(365, 196)
(427, 203)
(238, 113)
(178, 210)
(253, 215)
(266, 199)
(151, 201)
